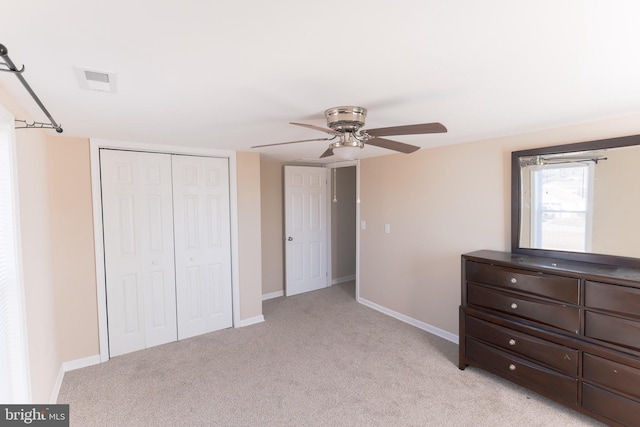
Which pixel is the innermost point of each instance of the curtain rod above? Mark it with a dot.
(11, 68)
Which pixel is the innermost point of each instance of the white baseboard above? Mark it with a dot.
(414, 322)
(272, 295)
(70, 366)
(343, 279)
(250, 321)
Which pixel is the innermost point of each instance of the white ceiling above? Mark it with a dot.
(231, 74)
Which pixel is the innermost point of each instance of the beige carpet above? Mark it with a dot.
(320, 359)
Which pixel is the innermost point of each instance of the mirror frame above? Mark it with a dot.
(516, 194)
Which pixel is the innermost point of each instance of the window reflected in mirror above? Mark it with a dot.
(587, 201)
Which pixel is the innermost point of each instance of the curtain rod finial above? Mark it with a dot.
(3, 50)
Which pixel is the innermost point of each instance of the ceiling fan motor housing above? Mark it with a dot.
(346, 119)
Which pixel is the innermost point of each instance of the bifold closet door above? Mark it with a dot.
(202, 244)
(139, 249)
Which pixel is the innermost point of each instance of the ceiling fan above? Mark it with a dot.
(345, 123)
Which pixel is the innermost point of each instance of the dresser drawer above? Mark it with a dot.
(612, 329)
(617, 408)
(555, 383)
(554, 355)
(546, 285)
(613, 298)
(613, 375)
(556, 315)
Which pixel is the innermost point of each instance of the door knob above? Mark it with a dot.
(289, 238)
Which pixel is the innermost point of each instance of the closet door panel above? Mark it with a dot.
(139, 251)
(202, 243)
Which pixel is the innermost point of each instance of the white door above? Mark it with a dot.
(202, 242)
(138, 245)
(305, 191)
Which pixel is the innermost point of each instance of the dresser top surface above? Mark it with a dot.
(552, 265)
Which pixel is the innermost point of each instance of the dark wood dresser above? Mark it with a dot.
(567, 330)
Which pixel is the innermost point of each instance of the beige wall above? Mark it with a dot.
(73, 247)
(37, 254)
(249, 235)
(37, 259)
(343, 223)
(271, 189)
(616, 222)
(441, 203)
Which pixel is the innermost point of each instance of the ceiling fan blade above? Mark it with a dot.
(392, 145)
(292, 142)
(408, 129)
(321, 129)
(327, 153)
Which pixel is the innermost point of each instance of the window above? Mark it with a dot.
(14, 376)
(561, 195)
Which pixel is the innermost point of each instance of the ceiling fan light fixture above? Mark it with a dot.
(347, 150)
(346, 153)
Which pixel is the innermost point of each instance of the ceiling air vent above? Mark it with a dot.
(103, 81)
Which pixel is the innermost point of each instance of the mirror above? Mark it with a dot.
(578, 201)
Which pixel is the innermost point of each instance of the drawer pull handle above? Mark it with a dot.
(514, 280)
(512, 342)
(512, 367)
(514, 305)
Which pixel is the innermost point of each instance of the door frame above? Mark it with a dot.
(94, 150)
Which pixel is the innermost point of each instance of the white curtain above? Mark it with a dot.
(14, 374)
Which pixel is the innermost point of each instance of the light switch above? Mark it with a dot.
(387, 228)
(363, 225)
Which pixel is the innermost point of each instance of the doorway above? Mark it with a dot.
(273, 225)
(343, 199)
(341, 226)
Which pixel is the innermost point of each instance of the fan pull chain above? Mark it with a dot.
(335, 193)
(358, 188)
